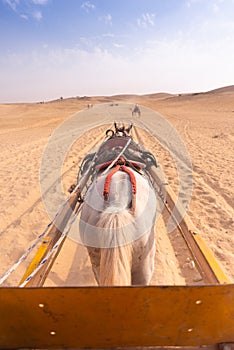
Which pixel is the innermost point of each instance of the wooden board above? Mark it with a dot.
(116, 316)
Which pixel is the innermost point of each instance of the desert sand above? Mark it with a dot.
(205, 122)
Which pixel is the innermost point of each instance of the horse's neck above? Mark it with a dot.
(119, 189)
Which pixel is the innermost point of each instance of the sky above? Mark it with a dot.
(67, 48)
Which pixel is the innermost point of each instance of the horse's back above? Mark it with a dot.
(115, 231)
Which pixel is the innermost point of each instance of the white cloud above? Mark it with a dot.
(12, 3)
(87, 6)
(189, 3)
(215, 8)
(173, 66)
(146, 20)
(118, 46)
(37, 15)
(107, 19)
(15, 3)
(198, 59)
(22, 8)
(39, 2)
(108, 35)
(24, 16)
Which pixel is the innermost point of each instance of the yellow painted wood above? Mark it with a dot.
(54, 233)
(195, 235)
(37, 258)
(219, 273)
(116, 316)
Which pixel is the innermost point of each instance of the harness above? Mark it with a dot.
(118, 153)
(120, 165)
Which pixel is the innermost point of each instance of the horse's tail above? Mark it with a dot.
(116, 257)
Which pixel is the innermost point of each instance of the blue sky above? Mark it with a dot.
(53, 48)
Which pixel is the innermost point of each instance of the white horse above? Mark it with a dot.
(117, 227)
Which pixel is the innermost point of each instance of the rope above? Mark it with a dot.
(28, 251)
(51, 252)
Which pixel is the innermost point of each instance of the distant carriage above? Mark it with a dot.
(136, 111)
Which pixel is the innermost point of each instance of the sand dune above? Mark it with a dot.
(204, 122)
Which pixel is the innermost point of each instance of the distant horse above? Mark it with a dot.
(117, 225)
(136, 111)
